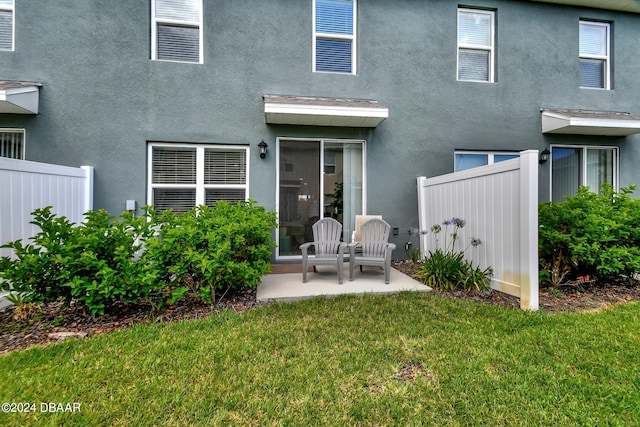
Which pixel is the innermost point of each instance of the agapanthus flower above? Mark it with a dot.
(475, 242)
(436, 228)
(458, 222)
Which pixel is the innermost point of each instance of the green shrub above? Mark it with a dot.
(228, 246)
(158, 258)
(38, 273)
(594, 235)
(446, 268)
(91, 264)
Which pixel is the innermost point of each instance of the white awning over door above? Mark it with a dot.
(313, 111)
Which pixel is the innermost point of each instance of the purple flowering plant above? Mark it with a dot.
(457, 224)
(446, 268)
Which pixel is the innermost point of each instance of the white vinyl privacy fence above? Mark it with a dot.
(26, 186)
(500, 205)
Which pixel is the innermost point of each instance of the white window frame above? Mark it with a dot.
(583, 166)
(334, 36)
(490, 155)
(24, 139)
(605, 58)
(11, 9)
(468, 46)
(199, 186)
(155, 21)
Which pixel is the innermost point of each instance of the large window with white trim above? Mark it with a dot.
(594, 55)
(476, 45)
(176, 33)
(12, 143)
(574, 166)
(471, 159)
(334, 36)
(182, 176)
(7, 24)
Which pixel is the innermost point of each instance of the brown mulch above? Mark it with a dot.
(39, 325)
(47, 323)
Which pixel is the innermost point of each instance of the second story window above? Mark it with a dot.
(594, 55)
(177, 30)
(334, 40)
(475, 45)
(6, 24)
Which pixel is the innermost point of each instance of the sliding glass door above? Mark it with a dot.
(575, 166)
(317, 179)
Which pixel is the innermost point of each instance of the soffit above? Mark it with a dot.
(582, 122)
(314, 111)
(622, 5)
(19, 97)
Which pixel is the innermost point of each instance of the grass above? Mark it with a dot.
(407, 359)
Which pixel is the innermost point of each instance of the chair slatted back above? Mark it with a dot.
(361, 219)
(375, 236)
(326, 235)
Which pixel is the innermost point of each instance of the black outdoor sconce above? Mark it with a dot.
(263, 149)
(544, 156)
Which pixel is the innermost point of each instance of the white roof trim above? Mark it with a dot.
(19, 97)
(580, 122)
(313, 111)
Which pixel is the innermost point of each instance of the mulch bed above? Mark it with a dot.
(48, 323)
(568, 299)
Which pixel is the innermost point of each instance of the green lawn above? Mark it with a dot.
(406, 359)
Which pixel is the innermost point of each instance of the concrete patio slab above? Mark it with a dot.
(289, 286)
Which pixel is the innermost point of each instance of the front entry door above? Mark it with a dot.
(317, 179)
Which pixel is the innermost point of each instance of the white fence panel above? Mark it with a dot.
(26, 186)
(500, 205)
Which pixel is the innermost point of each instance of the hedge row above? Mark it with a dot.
(159, 258)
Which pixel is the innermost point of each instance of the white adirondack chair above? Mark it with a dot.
(329, 250)
(375, 248)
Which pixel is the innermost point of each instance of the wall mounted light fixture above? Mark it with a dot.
(263, 149)
(544, 156)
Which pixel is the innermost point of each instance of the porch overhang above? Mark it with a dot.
(622, 5)
(581, 122)
(19, 97)
(313, 111)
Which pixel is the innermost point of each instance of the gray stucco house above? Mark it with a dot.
(169, 100)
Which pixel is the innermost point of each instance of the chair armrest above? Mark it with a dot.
(305, 247)
(342, 247)
(391, 246)
(352, 248)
